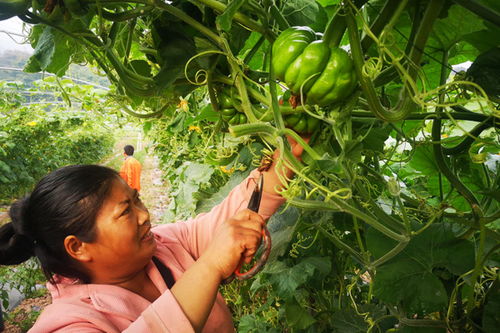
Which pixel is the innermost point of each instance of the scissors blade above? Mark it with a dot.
(254, 202)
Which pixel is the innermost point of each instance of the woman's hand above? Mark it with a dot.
(237, 238)
(272, 181)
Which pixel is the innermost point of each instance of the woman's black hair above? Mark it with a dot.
(65, 202)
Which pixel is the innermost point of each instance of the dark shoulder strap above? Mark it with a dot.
(165, 273)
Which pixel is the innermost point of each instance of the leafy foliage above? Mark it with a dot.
(35, 141)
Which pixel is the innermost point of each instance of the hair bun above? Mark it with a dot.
(16, 245)
(14, 248)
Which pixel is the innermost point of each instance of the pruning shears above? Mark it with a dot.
(254, 205)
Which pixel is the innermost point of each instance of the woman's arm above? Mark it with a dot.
(197, 289)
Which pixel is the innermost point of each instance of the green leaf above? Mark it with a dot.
(423, 160)
(485, 39)
(257, 60)
(282, 226)
(375, 139)
(348, 321)
(485, 71)
(52, 53)
(326, 3)
(305, 12)
(450, 30)
(146, 127)
(207, 113)
(226, 18)
(296, 316)
(206, 205)
(191, 177)
(286, 279)
(491, 314)
(408, 278)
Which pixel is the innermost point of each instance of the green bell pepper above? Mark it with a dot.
(325, 74)
(228, 110)
(301, 123)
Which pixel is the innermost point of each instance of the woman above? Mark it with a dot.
(109, 271)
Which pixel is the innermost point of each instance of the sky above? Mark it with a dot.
(14, 26)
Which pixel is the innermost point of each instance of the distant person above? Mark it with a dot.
(131, 169)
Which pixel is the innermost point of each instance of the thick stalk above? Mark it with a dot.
(379, 212)
(469, 138)
(337, 25)
(438, 150)
(252, 129)
(429, 115)
(128, 43)
(389, 255)
(127, 15)
(237, 74)
(335, 204)
(405, 104)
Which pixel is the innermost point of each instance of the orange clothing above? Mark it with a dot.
(131, 172)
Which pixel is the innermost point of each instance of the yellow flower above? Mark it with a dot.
(444, 136)
(228, 171)
(183, 105)
(31, 123)
(194, 128)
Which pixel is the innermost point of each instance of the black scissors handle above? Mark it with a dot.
(253, 205)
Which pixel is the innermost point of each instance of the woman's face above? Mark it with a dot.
(124, 244)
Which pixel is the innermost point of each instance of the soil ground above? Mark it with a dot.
(153, 194)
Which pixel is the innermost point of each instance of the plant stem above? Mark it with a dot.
(438, 151)
(429, 115)
(335, 240)
(238, 17)
(405, 104)
(188, 19)
(389, 255)
(380, 22)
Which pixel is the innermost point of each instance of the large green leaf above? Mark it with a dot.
(423, 160)
(52, 53)
(282, 226)
(191, 176)
(297, 316)
(408, 278)
(305, 12)
(448, 31)
(206, 204)
(226, 18)
(286, 279)
(491, 315)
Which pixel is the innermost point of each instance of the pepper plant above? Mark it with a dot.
(392, 219)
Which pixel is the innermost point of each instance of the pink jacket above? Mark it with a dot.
(85, 308)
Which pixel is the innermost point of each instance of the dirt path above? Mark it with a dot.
(153, 194)
(153, 190)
